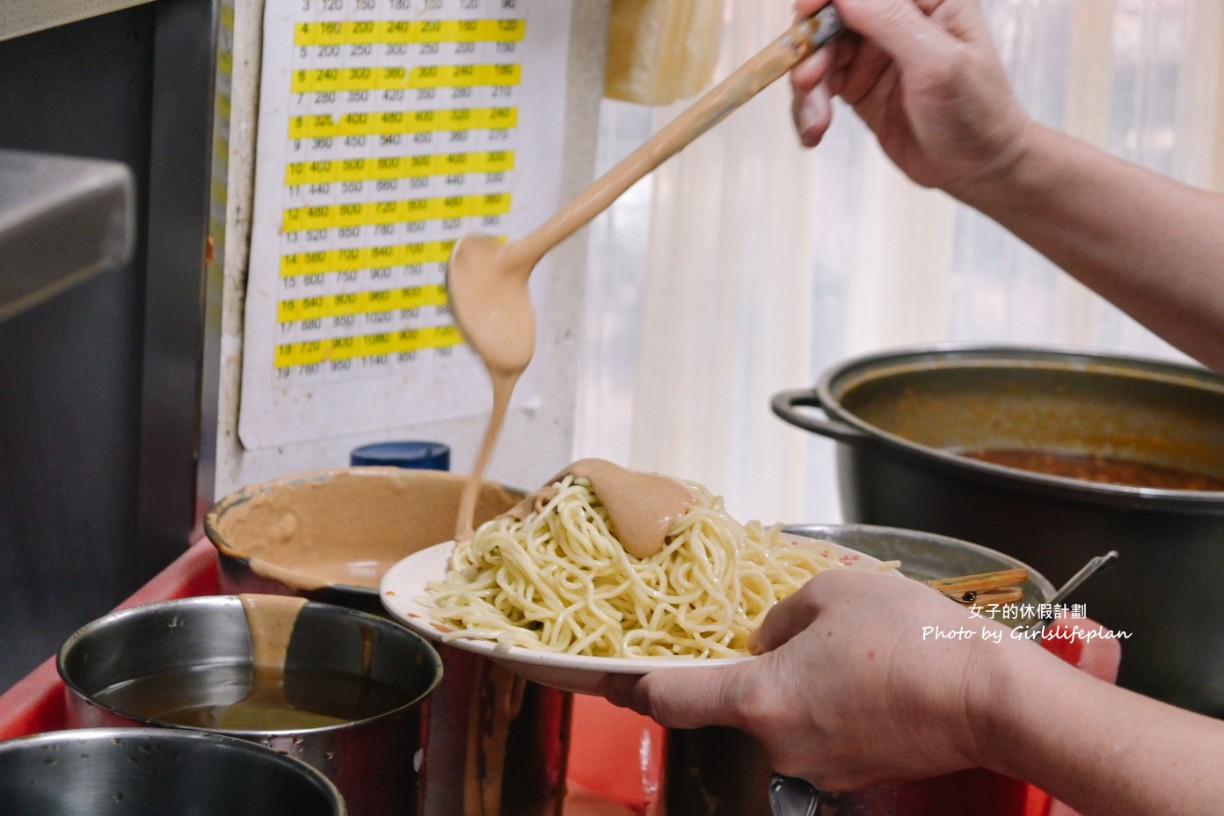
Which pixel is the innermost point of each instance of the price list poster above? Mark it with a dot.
(387, 129)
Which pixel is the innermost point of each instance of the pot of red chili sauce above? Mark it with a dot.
(1053, 457)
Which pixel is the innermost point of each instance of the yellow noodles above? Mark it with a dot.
(558, 581)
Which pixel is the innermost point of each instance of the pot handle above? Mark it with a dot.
(787, 403)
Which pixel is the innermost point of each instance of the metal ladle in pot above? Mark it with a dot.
(1094, 565)
(791, 796)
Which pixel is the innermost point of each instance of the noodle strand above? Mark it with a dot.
(558, 580)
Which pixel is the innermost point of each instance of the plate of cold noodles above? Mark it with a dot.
(549, 592)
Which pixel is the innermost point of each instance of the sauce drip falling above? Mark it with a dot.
(270, 620)
(490, 300)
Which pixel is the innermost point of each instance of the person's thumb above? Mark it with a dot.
(679, 698)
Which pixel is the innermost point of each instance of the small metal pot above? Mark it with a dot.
(156, 771)
(371, 760)
(903, 417)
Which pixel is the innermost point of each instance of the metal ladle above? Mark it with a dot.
(791, 796)
(1094, 565)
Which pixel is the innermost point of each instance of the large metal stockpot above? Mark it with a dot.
(902, 416)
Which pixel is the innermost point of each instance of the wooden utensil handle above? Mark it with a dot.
(979, 582)
(784, 53)
(993, 597)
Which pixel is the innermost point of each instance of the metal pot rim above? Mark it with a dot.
(117, 735)
(841, 377)
(819, 530)
(225, 603)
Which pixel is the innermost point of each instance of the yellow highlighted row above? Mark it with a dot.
(377, 124)
(381, 300)
(309, 352)
(394, 212)
(395, 77)
(357, 32)
(375, 257)
(398, 167)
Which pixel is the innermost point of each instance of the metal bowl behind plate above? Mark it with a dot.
(925, 556)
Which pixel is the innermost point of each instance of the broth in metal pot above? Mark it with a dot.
(1095, 468)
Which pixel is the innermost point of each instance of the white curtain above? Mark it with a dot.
(746, 265)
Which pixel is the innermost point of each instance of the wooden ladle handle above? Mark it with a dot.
(784, 53)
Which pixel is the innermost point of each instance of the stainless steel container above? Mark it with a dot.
(494, 743)
(154, 772)
(723, 772)
(903, 417)
(167, 646)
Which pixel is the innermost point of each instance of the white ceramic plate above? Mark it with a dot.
(404, 584)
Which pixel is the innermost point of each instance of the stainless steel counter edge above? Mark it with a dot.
(63, 219)
(19, 17)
